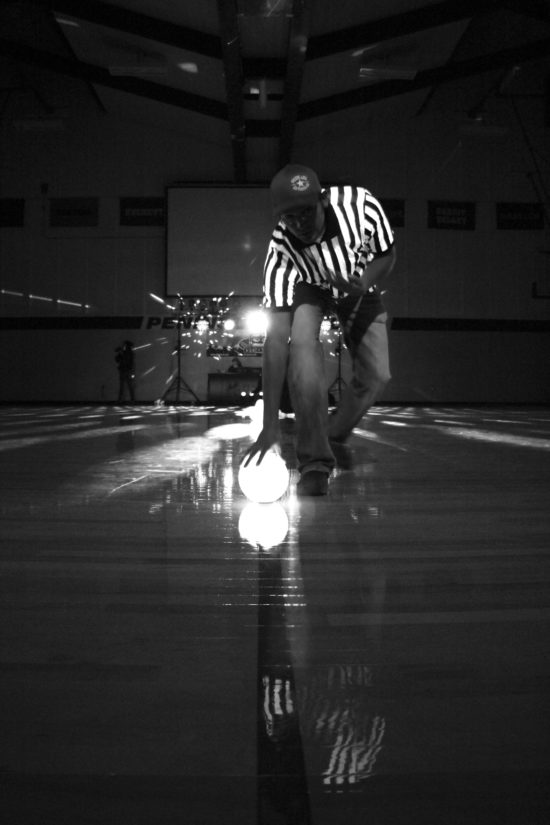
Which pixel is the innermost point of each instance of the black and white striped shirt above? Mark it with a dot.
(357, 229)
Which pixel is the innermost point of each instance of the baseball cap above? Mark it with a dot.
(294, 186)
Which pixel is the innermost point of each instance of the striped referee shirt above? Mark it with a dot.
(356, 230)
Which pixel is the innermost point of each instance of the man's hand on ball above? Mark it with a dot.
(267, 440)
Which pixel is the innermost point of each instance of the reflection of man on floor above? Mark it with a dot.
(335, 707)
(322, 715)
(341, 734)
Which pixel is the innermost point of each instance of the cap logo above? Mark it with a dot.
(300, 183)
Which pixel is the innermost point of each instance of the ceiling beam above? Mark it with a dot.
(142, 25)
(272, 128)
(231, 51)
(391, 88)
(296, 55)
(442, 74)
(102, 77)
(397, 25)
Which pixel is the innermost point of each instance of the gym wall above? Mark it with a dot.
(83, 245)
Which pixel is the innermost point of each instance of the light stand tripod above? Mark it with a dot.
(338, 384)
(178, 384)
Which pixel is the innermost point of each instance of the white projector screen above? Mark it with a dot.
(216, 239)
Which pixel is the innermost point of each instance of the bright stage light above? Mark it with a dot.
(263, 525)
(256, 322)
(266, 481)
(229, 324)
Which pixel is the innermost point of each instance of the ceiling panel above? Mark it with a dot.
(253, 72)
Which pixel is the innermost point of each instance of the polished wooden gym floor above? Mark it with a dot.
(172, 653)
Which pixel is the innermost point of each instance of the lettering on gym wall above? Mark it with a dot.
(523, 216)
(69, 212)
(451, 215)
(142, 212)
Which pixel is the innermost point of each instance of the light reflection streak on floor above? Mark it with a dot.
(453, 426)
(499, 438)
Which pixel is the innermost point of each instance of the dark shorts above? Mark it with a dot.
(355, 314)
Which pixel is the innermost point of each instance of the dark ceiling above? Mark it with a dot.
(247, 70)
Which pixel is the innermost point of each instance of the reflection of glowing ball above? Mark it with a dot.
(264, 481)
(264, 525)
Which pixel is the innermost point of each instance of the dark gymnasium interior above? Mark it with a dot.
(173, 651)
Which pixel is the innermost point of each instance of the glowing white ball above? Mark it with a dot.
(263, 525)
(265, 481)
(256, 322)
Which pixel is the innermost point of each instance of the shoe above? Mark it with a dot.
(313, 483)
(343, 454)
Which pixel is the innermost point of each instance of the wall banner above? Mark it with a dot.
(74, 212)
(451, 215)
(519, 216)
(252, 345)
(142, 211)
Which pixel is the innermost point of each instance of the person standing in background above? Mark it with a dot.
(124, 358)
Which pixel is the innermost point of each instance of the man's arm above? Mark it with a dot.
(378, 269)
(274, 365)
(374, 274)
